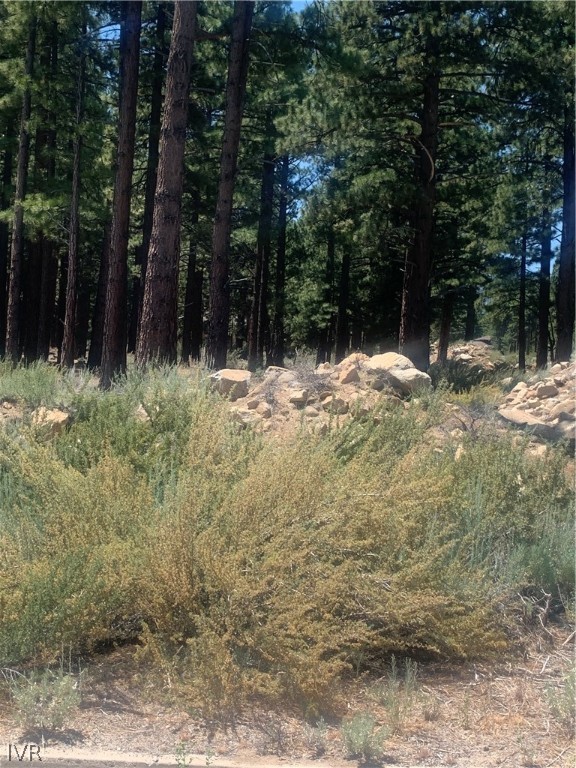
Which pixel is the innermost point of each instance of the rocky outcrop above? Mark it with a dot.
(478, 354)
(286, 399)
(545, 405)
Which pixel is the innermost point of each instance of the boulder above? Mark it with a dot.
(564, 411)
(231, 383)
(52, 420)
(529, 423)
(387, 361)
(399, 371)
(409, 380)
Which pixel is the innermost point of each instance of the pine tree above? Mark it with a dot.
(115, 318)
(219, 303)
(16, 254)
(158, 327)
(69, 336)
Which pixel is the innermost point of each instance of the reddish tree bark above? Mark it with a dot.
(219, 301)
(158, 326)
(115, 318)
(17, 249)
(151, 172)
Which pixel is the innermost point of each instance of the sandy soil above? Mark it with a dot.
(472, 716)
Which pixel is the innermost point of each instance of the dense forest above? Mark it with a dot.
(219, 181)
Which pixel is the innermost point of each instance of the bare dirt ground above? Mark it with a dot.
(472, 716)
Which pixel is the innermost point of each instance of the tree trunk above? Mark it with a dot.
(45, 173)
(151, 173)
(470, 326)
(4, 232)
(16, 254)
(115, 317)
(544, 291)
(522, 306)
(342, 325)
(219, 299)
(324, 352)
(97, 334)
(445, 325)
(415, 319)
(257, 329)
(192, 324)
(565, 295)
(69, 338)
(31, 296)
(82, 320)
(278, 340)
(157, 337)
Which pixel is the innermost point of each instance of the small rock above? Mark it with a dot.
(335, 405)
(311, 412)
(298, 397)
(349, 375)
(546, 390)
(264, 410)
(141, 414)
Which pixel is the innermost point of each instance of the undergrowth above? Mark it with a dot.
(245, 567)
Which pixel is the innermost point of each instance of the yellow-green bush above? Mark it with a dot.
(258, 568)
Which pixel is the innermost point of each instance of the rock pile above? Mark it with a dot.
(476, 353)
(544, 406)
(285, 399)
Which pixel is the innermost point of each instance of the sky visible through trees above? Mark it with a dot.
(350, 175)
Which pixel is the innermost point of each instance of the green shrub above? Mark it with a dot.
(362, 739)
(45, 700)
(253, 568)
